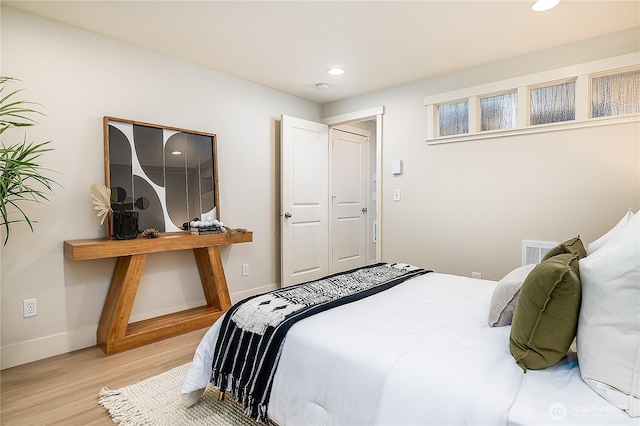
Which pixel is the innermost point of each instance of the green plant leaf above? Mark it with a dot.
(21, 174)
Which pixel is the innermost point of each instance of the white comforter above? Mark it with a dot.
(419, 353)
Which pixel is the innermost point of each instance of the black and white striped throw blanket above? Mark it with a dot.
(252, 332)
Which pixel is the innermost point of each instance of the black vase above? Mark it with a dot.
(125, 225)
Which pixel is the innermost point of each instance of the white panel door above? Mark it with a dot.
(305, 200)
(348, 225)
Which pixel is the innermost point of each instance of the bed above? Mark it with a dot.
(423, 352)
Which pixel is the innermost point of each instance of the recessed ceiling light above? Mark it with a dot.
(322, 86)
(176, 152)
(542, 5)
(335, 71)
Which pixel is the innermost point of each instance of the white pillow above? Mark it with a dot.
(609, 321)
(595, 245)
(505, 296)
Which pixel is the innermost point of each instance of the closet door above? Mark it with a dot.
(349, 208)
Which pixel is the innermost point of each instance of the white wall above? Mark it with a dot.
(79, 77)
(466, 207)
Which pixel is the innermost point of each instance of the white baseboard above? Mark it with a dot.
(57, 344)
(45, 347)
(236, 297)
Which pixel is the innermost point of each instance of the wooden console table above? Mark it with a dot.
(115, 334)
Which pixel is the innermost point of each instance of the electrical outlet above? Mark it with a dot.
(476, 275)
(29, 308)
(245, 269)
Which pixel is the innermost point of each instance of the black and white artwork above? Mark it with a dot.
(168, 175)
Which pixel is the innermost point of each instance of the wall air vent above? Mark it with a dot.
(534, 251)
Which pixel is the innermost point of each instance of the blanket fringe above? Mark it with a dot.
(228, 385)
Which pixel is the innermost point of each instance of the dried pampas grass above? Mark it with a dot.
(101, 196)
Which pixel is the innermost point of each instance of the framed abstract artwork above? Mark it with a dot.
(165, 176)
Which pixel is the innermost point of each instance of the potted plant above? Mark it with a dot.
(21, 175)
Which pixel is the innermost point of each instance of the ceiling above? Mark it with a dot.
(289, 45)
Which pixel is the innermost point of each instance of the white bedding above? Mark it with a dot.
(419, 353)
(559, 396)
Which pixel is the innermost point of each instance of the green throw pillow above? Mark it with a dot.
(574, 245)
(546, 315)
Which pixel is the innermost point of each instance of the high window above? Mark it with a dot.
(581, 95)
(453, 119)
(499, 111)
(552, 104)
(615, 94)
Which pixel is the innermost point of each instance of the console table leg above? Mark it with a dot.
(115, 334)
(117, 307)
(214, 282)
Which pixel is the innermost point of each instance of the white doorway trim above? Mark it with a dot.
(353, 116)
(364, 115)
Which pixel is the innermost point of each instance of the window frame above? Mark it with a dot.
(551, 84)
(603, 74)
(581, 73)
(492, 95)
(454, 102)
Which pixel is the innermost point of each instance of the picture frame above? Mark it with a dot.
(168, 175)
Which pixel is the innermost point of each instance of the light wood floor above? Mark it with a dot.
(64, 389)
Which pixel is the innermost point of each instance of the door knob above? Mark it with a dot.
(287, 215)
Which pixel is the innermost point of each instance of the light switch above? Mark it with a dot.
(396, 167)
(396, 195)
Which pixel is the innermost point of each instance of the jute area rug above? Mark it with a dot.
(157, 401)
